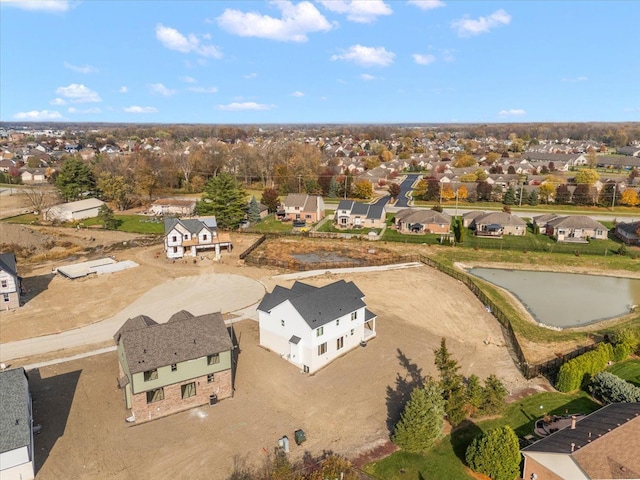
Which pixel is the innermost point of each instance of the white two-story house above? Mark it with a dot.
(10, 282)
(311, 326)
(191, 237)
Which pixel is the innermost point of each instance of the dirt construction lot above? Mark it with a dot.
(345, 407)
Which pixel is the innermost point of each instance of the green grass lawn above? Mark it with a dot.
(445, 460)
(271, 225)
(26, 219)
(628, 370)
(128, 223)
(330, 228)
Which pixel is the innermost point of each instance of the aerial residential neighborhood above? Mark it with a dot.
(311, 239)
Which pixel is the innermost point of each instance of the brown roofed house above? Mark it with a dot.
(170, 367)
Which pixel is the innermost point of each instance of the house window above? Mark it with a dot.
(155, 395)
(282, 322)
(4, 284)
(352, 331)
(186, 237)
(174, 239)
(354, 315)
(339, 343)
(174, 367)
(210, 378)
(322, 349)
(337, 322)
(188, 390)
(320, 332)
(307, 217)
(213, 359)
(151, 375)
(6, 297)
(175, 249)
(204, 238)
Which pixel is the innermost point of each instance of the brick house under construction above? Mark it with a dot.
(170, 367)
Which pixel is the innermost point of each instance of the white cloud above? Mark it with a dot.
(38, 115)
(188, 79)
(426, 4)
(294, 25)
(57, 101)
(78, 93)
(203, 89)
(80, 68)
(251, 75)
(575, 79)
(423, 59)
(469, 27)
(366, 77)
(137, 109)
(123, 89)
(366, 56)
(86, 110)
(357, 10)
(160, 89)
(174, 40)
(296, 94)
(237, 106)
(514, 112)
(41, 5)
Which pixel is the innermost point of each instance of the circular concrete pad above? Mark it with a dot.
(219, 292)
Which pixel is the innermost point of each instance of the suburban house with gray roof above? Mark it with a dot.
(194, 236)
(414, 220)
(494, 224)
(302, 207)
(602, 445)
(16, 426)
(10, 282)
(571, 228)
(628, 232)
(311, 326)
(350, 214)
(169, 367)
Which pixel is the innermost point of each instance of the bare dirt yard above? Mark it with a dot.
(345, 407)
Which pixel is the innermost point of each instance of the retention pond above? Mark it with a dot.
(566, 300)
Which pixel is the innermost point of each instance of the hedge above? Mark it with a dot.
(578, 371)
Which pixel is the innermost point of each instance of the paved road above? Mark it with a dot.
(405, 188)
(382, 201)
(198, 294)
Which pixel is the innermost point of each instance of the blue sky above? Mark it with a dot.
(333, 61)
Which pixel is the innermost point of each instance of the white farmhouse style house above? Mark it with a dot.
(191, 237)
(311, 326)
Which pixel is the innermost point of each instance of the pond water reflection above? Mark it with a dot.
(566, 299)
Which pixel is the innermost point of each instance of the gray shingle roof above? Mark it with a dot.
(499, 218)
(576, 221)
(157, 345)
(414, 215)
(317, 306)
(590, 428)
(15, 427)
(193, 225)
(8, 263)
(135, 323)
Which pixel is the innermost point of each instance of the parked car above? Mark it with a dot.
(299, 223)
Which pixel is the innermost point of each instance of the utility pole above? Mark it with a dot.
(457, 200)
(521, 189)
(613, 199)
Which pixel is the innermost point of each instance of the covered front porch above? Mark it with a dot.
(369, 325)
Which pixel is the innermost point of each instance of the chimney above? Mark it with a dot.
(573, 447)
(573, 422)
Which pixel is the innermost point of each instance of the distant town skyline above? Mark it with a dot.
(324, 61)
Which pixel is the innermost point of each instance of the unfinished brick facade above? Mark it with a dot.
(173, 401)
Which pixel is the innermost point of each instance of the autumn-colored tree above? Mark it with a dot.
(271, 199)
(447, 192)
(464, 160)
(362, 189)
(587, 176)
(468, 177)
(386, 156)
(630, 197)
(592, 159)
(463, 193)
(394, 190)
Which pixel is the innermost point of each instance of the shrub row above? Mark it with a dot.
(578, 371)
(609, 388)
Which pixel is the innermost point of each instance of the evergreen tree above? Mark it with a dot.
(493, 396)
(74, 179)
(509, 196)
(253, 213)
(533, 199)
(453, 390)
(224, 198)
(334, 187)
(495, 454)
(105, 214)
(421, 421)
(474, 393)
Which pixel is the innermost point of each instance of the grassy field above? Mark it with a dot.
(445, 460)
(128, 223)
(271, 225)
(628, 370)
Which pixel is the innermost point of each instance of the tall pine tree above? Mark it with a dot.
(224, 198)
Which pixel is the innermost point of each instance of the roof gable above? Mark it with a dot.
(8, 263)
